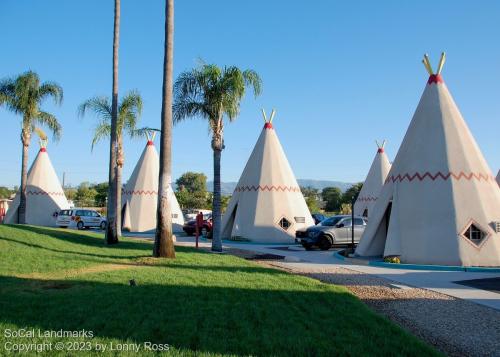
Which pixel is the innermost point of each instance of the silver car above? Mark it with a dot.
(80, 218)
(331, 231)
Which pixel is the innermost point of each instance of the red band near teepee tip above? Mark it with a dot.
(43, 150)
(380, 150)
(268, 126)
(150, 142)
(435, 78)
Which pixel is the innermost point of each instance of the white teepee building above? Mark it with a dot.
(140, 195)
(267, 205)
(44, 194)
(373, 183)
(440, 201)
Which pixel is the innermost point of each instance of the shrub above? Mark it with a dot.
(392, 259)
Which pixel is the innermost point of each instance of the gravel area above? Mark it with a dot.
(455, 327)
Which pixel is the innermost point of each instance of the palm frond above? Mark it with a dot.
(7, 93)
(129, 111)
(253, 79)
(142, 132)
(51, 89)
(100, 106)
(210, 92)
(101, 131)
(50, 121)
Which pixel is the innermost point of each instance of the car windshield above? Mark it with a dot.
(329, 222)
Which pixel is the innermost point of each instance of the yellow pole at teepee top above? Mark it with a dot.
(272, 116)
(427, 64)
(441, 62)
(264, 115)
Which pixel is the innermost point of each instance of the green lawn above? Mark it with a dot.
(200, 303)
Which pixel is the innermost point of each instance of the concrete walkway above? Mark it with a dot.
(438, 281)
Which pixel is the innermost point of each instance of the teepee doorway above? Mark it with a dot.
(387, 217)
(230, 223)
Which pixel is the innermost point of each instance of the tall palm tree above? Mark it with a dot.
(164, 244)
(129, 112)
(113, 227)
(24, 95)
(213, 93)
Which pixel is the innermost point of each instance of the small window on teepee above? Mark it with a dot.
(175, 215)
(474, 234)
(285, 223)
(365, 212)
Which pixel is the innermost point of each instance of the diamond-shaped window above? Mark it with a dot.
(474, 234)
(285, 223)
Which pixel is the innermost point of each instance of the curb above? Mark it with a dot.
(383, 264)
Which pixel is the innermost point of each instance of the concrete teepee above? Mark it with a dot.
(373, 183)
(140, 195)
(44, 195)
(440, 202)
(267, 205)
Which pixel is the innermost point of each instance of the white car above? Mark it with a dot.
(80, 218)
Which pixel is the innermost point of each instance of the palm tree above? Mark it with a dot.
(211, 93)
(24, 95)
(129, 112)
(113, 226)
(164, 244)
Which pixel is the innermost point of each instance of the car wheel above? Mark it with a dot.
(308, 246)
(325, 243)
(80, 225)
(103, 225)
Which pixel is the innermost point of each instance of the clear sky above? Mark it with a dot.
(340, 74)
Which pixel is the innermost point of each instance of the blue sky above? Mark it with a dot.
(340, 74)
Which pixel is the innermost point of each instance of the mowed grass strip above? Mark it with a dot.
(200, 303)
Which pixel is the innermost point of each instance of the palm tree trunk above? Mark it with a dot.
(21, 213)
(164, 244)
(119, 171)
(216, 209)
(112, 227)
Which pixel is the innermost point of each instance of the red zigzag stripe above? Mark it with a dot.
(44, 193)
(140, 192)
(366, 199)
(267, 188)
(439, 175)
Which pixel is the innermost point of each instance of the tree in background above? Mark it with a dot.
(164, 243)
(102, 194)
(5, 192)
(224, 201)
(352, 193)
(312, 197)
(23, 95)
(212, 93)
(85, 195)
(129, 112)
(192, 182)
(332, 197)
(192, 190)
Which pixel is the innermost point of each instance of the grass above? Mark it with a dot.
(200, 303)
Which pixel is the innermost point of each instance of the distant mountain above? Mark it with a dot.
(227, 188)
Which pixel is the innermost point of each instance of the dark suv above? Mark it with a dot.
(331, 231)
